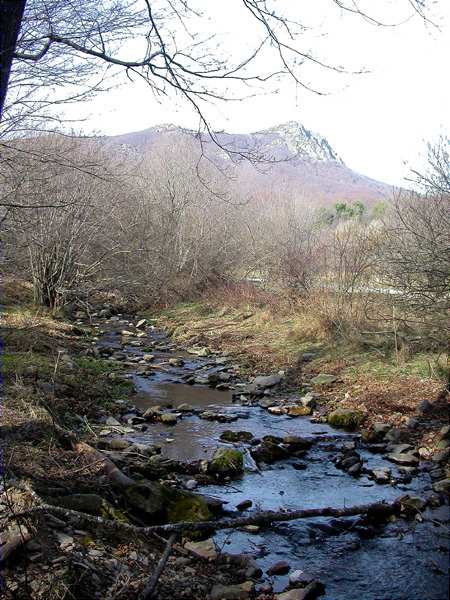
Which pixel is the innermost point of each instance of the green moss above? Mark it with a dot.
(346, 418)
(236, 436)
(187, 507)
(96, 366)
(227, 461)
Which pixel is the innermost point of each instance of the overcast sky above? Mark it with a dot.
(376, 121)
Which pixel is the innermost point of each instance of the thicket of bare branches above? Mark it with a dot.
(155, 232)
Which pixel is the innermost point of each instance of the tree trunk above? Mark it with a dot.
(11, 13)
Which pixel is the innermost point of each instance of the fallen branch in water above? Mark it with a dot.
(153, 582)
(259, 518)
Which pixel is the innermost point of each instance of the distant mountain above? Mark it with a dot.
(299, 162)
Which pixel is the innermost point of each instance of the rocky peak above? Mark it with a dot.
(300, 141)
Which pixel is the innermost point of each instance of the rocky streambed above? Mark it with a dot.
(255, 445)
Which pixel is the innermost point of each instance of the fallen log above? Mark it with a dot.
(147, 593)
(259, 518)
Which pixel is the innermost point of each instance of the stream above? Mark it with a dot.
(406, 561)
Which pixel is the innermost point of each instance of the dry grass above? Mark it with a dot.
(265, 337)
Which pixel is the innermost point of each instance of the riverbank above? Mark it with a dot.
(265, 338)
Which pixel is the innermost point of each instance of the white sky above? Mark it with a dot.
(375, 121)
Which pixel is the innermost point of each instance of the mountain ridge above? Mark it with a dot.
(304, 162)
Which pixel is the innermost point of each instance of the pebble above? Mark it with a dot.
(279, 568)
(244, 505)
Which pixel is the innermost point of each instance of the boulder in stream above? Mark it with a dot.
(227, 461)
(158, 501)
(236, 436)
(346, 418)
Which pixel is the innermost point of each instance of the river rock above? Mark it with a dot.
(168, 419)
(148, 357)
(176, 362)
(199, 351)
(442, 486)
(424, 407)
(266, 402)
(444, 433)
(279, 568)
(263, 382)
(236, 436)
(403, 459)
(400, 448)
(244, 505)
(298, 411)
(299, 578)
(118, 444)
(309, 400)
(238, 591)
(185, 407)
(323, 379)
(346, 418)
(112, 422)
(295, 442)
(205, 549)
(92, 504)
(277, 410)
(312, 591)
(227, 461)
(269, 452)
(382, 475)
(191, 484)
(141, 324)
(441, 456)
(152, 413)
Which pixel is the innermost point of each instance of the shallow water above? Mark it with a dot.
(406, 562)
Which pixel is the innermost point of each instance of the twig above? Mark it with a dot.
(151, 585)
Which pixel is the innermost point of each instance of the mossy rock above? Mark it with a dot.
(346, 419)
(92, 504)
(323, 379)
(163, 502)
(236, 436)
(299, 411)
(183, 506)
(227, 461)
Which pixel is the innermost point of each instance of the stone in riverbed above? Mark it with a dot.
(312, 591)
(236, 436)
(199, 351)
(299, 578)
(269, 452)
(296, 442)
(244, 505)
(346, 418)
(403, 459)
(323, 379)
(159, 501)
(441, 456)
(238, 591)
(227, 461)
(168, 419)
(298, 411)
(382, 475)
(279, 568)
(118, 444)
(442, 486)
(112, 422)
(309, 399)
(185, 407)
(266, 402)
(276, 410)
(205, 549)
